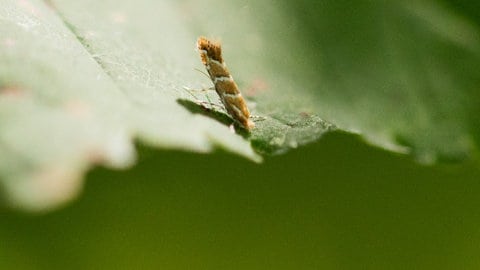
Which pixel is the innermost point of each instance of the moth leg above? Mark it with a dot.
(203, 103)
(258, 118)
(203, 90)
(201, 71)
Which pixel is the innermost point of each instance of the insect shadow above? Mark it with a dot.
(221, 117)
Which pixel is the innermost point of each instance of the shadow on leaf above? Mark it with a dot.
(214, 114)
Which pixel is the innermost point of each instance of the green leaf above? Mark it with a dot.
(81, 80)
(405, 75)
(67, 104)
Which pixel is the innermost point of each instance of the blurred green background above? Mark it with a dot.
(336, 204)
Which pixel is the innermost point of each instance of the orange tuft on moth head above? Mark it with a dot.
(212, 49)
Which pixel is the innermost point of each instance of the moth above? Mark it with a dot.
(225, 86)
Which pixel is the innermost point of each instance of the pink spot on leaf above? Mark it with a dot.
(29, 7)
(12, 91)
(118, 17)
(9, 42)
(257, 86)
(78, 108)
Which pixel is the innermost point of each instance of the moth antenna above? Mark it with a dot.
(208, 76)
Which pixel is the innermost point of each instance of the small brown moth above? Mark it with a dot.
(225, 86)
